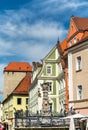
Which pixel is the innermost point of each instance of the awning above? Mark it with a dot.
(76, 116)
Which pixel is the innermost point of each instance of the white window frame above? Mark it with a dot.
(51, 82)
(50, 69)
(78, 63)
(70, 43)
(79, 92)
(75, 40)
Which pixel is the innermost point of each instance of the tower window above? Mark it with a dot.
(75, 40)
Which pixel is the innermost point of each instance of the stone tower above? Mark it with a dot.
(13, 74)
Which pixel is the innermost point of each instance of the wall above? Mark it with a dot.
(11, 80)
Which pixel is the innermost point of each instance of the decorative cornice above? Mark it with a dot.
(53, 61)
(52, 78)
(79, 101)
(47, 78)
(79, 46)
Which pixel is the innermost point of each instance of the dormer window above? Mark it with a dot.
(71, 43)
(75, 39)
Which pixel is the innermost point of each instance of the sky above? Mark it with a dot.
(29, 29)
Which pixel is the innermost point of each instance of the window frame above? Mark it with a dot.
(51, 84)
(79, 92)
(78, 63)
(49, 68)
(19, 101)
(75, 40)
(70, 43)
(26, 101)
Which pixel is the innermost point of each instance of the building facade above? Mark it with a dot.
(52, 73)
(78, 74)
(76, 33)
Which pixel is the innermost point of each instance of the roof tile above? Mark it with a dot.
(23, 86)
(18, 66)
(81, 23)
(63, 45)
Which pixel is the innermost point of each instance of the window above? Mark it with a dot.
(50, 86)
(79, 95)
(49, 70)
(45, 95)
(70, 43)
(19, 101)
(26, 100)
(79, 63)
(12, 72)
(75, 40)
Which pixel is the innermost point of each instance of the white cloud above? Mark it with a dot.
(30, 38)
(1, 79)
(74, 4)
(57, 6)
(39, 30)
(1, 75)
(5, 47)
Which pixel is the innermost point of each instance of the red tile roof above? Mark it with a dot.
(18, 66)
(23, 86)
(63, 45)
(81, 23)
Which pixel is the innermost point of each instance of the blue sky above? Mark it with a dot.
(30, 28)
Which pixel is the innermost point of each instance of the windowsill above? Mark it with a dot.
(49, 74)
(79, 70)
(50, 92)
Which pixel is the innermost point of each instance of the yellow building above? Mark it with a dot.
(17, 100)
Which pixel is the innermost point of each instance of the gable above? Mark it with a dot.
(72, 29)
(52, 55)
